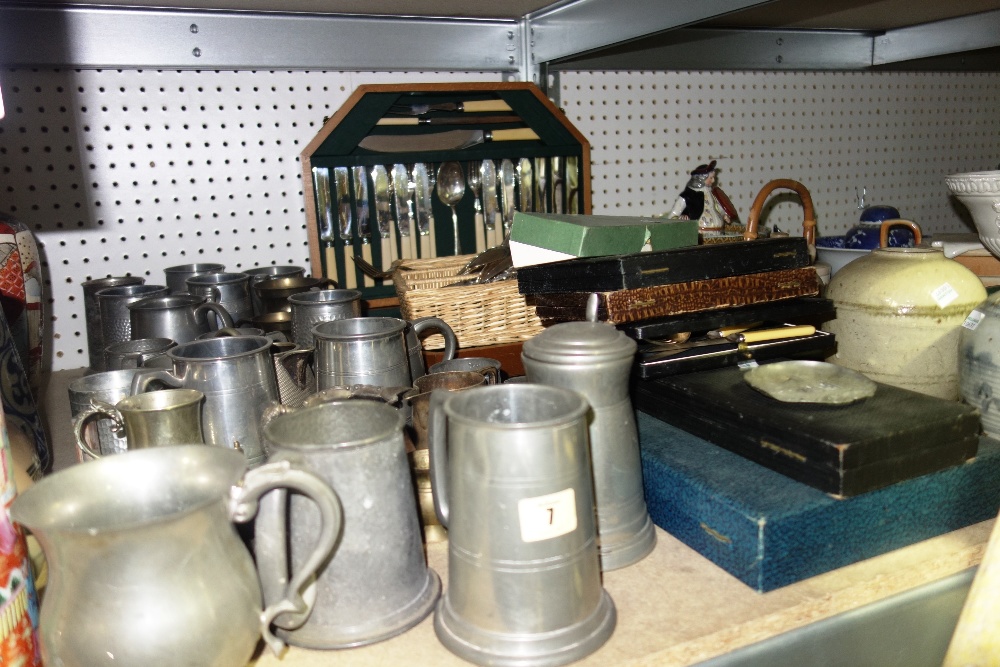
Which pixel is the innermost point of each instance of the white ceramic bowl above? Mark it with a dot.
(980, 192)
(837, 258)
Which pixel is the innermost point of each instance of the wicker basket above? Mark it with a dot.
(480, 315)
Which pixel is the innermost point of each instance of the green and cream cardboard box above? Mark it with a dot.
(540, 238)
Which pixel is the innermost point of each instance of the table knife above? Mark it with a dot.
(541, 180)
(341, 177)
(490, 207)
(557, 185)
(404, 217)
(507, 179)
(572, 185)
(321, 186)
(425, 216)
(442, 141)
(383, 215)
(361, 206)
(447, 120)
(526, 186)
(468, 106)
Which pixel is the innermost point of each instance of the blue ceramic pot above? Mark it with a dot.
(867, 234)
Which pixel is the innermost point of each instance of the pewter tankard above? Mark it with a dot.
(236, 374)
(311, 308)
(179, 317)
(261, 273)
(596, 359)
(137, 353)
(109, 387)
(377, 584)
(231, 290)
(176, 276)
(361, 350)
(512, 484)
(116, 325)
(92, 311)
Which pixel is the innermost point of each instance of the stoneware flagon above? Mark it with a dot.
(899, 316)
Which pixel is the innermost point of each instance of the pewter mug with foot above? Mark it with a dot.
(145, 565)
(377, 584)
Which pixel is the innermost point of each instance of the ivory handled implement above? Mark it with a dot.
(772, 334)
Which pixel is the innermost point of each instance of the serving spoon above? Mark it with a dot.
(450, 190)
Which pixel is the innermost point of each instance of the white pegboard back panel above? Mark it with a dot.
(895, 135)
(129, 172)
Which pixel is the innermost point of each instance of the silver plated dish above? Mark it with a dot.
(810, 382)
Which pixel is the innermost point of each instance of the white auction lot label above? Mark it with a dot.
(545, 517)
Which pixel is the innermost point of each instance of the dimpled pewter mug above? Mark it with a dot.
(145, 565)
(512, 484)
(108, 387)
(112, 302)
(596, 359)
(377, 584)
(236, 374)
(311, 308)
(92, 311)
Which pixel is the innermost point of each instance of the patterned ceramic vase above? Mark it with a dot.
(979, 363)
(18, 599)
(21, 294)
(899, 315)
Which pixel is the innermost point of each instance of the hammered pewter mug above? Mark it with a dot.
(488, 368)
(180, 317)
(311, 308)
(108, 387)
(147, 566)
(153, 419)
(361, 350)
(261, 273)
(415, 349)
(176, 276)
(377, 584)
(113, 302)
(137, 353)
(512, 483)
(274, 293)
(92, 312)
(236, 374)
(230, 290)
(596, 359)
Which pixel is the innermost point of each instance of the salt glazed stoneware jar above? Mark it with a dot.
(979, 363)
(899, 317)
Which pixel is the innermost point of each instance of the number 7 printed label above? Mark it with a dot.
(545, 517)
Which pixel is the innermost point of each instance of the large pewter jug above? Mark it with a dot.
(236, 374)
(512, 484)
(145, 565)
(179, 317)
(596, 359)
(377, 584)
(361, 350)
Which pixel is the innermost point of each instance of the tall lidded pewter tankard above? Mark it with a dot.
(145, 566)
(237, 376)
(596, 359)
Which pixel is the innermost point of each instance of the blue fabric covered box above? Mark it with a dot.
(770, 531)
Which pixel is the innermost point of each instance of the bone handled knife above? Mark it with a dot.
(557, 185)
(383, 215)
(321, 186)
(404, 216)
(491, 211)
(526, 187)
(507, 179)
(425, 217)
(364, 220)
(341, 177)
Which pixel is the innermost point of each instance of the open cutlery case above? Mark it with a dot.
(370, 174)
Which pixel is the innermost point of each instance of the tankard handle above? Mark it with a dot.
(142, 380)
(437, 429)
(422, 324)
(217, 308)
(96, 407)
(270, 481)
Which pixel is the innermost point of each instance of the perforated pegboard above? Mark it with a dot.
(128, 172)
(894, 134)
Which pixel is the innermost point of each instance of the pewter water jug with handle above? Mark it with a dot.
(377, 584)
(512, 483)
(596, 359)
(236, 374)
(145, 565)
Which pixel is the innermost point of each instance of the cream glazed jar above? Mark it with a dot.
(900, 313)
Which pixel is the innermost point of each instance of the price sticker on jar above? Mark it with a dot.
(546, 517)
(944, 295)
